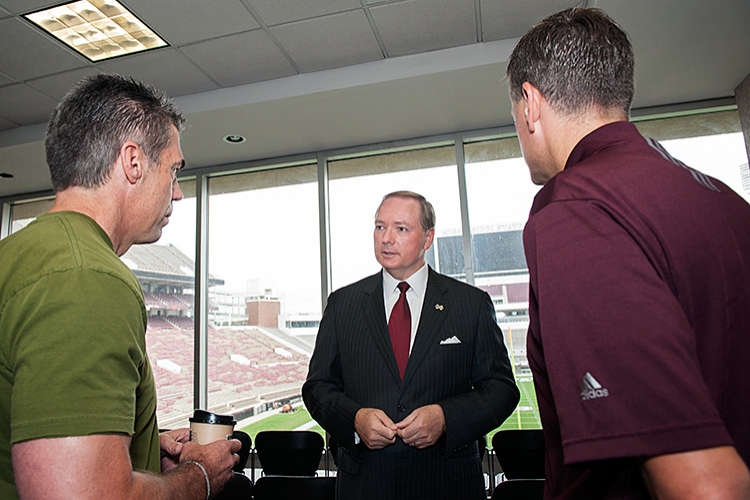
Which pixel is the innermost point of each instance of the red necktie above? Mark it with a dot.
(399, 327)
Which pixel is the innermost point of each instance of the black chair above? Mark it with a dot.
(519, 489)
(289, 453)
(294, 488)
(244, 453)
(333, 448)
(482, 446)
(520, 453)
(240, 487)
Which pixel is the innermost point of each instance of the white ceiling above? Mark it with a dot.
(297, 76)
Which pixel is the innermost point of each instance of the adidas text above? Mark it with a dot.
(593, 394)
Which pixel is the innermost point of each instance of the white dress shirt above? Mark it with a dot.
(414, 296)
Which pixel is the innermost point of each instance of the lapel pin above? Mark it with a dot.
(439, 307)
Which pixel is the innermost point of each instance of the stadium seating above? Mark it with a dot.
(520, 453)
(240, 487)
(289, 453)
(296, 488)
(171, 338)
(519, 489)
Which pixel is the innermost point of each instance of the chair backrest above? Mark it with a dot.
(333, 448)
(294, 488)
(519, 489)
(289, 453)
(520, 453)
(244, 453)
(240, 487)
(482, 446)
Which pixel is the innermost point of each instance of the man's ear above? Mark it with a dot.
(429, 237)
(132, 160)
(532, 100)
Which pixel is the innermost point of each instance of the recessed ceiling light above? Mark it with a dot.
(234, 139)
(97, 29)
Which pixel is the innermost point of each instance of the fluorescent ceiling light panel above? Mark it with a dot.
(98, 29)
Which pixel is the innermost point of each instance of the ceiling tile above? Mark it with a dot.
(702, 54)
(28, 53)
(329, 42)
(513, 18)
(165, 69)
(273, 12)
(239, 59)
(56, 86)
(425, 25)
(6, 80)
(192, 21)
(23, 105)
(25, 6)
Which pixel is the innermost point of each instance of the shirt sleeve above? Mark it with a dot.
(76, 357)
(618, 348)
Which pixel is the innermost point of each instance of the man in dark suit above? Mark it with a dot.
(407, 412)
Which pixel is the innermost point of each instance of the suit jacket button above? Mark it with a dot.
(401, 408)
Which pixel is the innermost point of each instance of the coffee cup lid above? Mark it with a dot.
(206, 417)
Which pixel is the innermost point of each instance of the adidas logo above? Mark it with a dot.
(591, 389)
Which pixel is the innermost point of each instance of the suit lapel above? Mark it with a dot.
(434, 311)
(374, 312)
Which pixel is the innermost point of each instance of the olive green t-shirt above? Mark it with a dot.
(72, 342)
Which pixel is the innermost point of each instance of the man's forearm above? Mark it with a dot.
(186, 482)
(99, 466)
(700, 474)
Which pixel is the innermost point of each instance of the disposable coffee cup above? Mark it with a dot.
(207, 427)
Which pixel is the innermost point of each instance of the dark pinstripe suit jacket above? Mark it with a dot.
(353, 367)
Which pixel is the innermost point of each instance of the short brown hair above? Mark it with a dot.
(426, 212)
(577, 59)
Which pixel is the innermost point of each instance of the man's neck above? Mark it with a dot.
(98, 204)
(423, 268)
(568, 130)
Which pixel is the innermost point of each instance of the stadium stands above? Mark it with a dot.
(273, 366)
(251, 365)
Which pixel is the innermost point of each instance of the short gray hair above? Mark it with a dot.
(92, 122)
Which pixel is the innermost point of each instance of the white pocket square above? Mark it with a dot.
(452, 340)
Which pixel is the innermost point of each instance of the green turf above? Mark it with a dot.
(526, 416)
(282, 421)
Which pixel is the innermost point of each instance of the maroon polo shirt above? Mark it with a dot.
(639, 313)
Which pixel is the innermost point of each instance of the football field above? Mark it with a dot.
(526, 416)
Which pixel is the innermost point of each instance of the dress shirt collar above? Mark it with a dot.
(417, 282)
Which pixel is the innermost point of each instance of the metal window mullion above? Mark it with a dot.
(200, 371)
(464, 202)
(325, 230)
(5, 222)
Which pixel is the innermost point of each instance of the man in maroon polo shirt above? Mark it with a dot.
(640, 283)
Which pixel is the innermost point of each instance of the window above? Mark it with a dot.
(264, 293)
(265, 269)
(166, 272)
(500, 193)
(357, 186)
(24, 212)
(711, 143)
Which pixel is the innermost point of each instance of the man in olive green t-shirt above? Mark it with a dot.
(77, 395)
